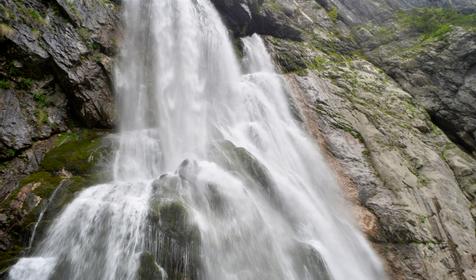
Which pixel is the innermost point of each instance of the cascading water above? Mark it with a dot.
(213, 178)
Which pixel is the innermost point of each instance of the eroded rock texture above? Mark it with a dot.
(395, 113)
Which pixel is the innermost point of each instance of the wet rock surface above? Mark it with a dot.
(173, 240)
(44, 179)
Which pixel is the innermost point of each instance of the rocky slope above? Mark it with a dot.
(391, 106)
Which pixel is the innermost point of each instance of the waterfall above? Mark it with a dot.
(213, 178)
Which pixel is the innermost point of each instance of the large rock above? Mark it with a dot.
(441, 77)
(72, 48)
(45, 178)
(245, 17)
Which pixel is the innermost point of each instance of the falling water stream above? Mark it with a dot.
(213, 178)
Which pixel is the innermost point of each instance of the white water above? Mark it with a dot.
(254, 185)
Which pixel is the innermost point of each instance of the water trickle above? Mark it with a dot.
(213, 178)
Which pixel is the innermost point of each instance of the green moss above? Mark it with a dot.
(29, 15)
(273, 6)
(5, 84)
(9, 153)
(35, 15)
(333, 14)
(384, 33)
(73, 151)
(148, 268)
(41, 116)
(25, 83)
(6, 13)
(77, 153)
(173, 220)
(319, 63)
(9, 258)
(5, 30)
(48, 182)
(84, 33)
(40, 98)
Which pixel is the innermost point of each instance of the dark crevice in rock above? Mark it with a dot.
(449, 129)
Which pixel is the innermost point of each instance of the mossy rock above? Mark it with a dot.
(8, 259)
(76, 152)
(149, 269)
(239, 160)
(309, 262)
(174, 239)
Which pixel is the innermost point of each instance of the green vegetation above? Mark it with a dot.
(34, 15)
(333, 14)
(5, 84)
(319, 63)
(41, 116)
(273, 6)
(76, 150)
(5, 30)
(76, 153)
(84, 33)
(9, 153)
(40, 98)
(435, 23)
(25, 83)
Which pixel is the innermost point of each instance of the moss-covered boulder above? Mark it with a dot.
(149, 269)
(246, 166)
(75, 161)
(172, 237)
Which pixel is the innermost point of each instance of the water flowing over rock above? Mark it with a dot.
(211, 175)
(212, 179)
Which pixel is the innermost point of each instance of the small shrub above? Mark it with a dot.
(319, 63)
(41, 116)
(333, 14)
(35, 16)
(5, 30)
(25, 83)
(40, 97)
(5, 84)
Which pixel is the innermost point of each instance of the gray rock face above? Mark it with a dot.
(441, 76)
(24, 120)
(424, 227)
(69, 42)
(361, 11)
(245, 17)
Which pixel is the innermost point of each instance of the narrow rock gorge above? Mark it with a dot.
(385, 88)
